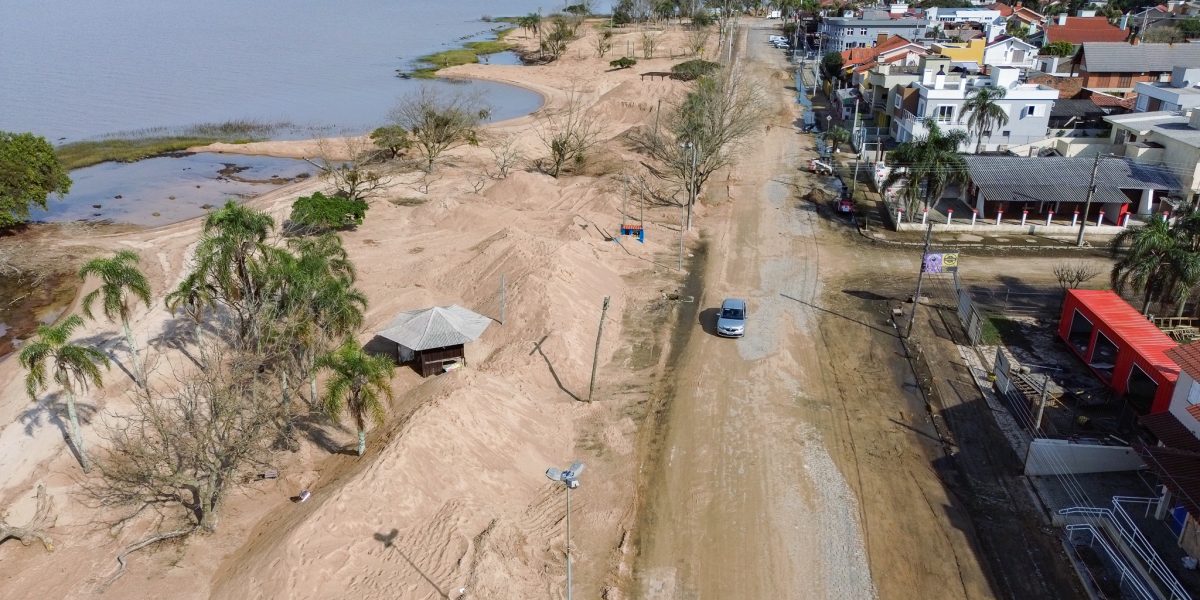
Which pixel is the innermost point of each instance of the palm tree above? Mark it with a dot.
(1147, 263)
(530, 22)
(835, 137)
(985, 113)
(359, 383)
(122, 284)
(193, 296)
(233, 238)
(72, 367)
(932, 160)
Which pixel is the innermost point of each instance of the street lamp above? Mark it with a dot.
(570, 479)
(691, 183)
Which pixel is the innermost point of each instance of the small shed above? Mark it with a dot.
(433, 339)
(1121, 347)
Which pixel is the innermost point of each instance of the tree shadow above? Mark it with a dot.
(53, 408)
(866, 295)
(312, 425)
(389, 542)
(109, 344)
(537, 347)
(177, 334)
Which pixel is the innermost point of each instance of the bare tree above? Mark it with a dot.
(343, 162)
(648, 44)
(1074, 274)
(568, 134)
(698, 40)
(702, 132)
(506, 156)
(438, 122)
(35, 529)
(170, 463)
(603, 42)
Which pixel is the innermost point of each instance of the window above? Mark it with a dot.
(1028, 110)
(1006, 133)
(862, 31)
(897, 101)
(1194, 394)
(945, 113)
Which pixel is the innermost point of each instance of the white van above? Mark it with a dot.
(775, 14)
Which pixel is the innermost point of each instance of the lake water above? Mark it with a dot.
(73, 69)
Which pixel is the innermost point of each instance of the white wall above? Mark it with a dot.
(1061, 457)
(1184, 388)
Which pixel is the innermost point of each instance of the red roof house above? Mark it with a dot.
(1121, 347)
(1078, 30)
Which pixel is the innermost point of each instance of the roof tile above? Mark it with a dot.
(1085, 29)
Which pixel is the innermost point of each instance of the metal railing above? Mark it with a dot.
(1133, 539)
(1130, 580)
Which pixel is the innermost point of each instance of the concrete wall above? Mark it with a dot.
(984, 227)
(1067, 146)
(1061, 457)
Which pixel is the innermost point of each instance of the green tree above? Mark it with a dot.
(29, 172)
(622, 63)
(531, 23)
(1017, 29)
(831, 66)
(1190, 28)
(1146, 255)
(835, 137)
(931, 161)
(72, 367)
(392, 138)
(319, 213)
(438, 122)
(232, 239)
(1059, 48)
(694, 69)
(985, 113)
(122, 285)
(358, 384)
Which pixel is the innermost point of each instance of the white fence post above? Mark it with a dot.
(1024, 216)
(974, 215)
(1075, 219)
(999, 215)
(924, 215)
(1049, 217)
(1100, 219)
(949, 215)
(1125, 222)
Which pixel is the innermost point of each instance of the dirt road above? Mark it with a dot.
(799, 461)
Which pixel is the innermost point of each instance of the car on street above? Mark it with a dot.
(731, 319)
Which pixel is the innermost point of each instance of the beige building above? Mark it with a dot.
(1167, 138)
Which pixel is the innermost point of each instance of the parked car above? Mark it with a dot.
(731, 320)
(776, 38)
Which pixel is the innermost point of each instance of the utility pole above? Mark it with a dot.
(682, 223)
(1087, 205)
(1037, 423)
(503, 297)
(920, 279)
(596, 353)
(691, 184)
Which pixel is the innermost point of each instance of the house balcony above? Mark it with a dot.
(912, 126)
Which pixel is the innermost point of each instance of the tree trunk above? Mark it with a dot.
(362, 442)
(139, 376)
(74, 434)
(1146, 304)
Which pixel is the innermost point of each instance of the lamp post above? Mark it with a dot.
(570, 479)
(691, 183)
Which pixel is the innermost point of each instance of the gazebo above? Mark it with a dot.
(433, 338)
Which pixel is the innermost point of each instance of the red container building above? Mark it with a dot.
(1122, 348)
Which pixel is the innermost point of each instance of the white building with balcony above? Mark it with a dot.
(1182, 93)
(940, 96)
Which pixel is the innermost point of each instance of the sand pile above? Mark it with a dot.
(451, 493)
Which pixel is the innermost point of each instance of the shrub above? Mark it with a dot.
(693, 69)
(318, 212)
(622, 63)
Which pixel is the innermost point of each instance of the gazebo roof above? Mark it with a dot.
(435, 327)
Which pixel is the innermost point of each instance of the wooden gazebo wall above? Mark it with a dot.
(429, 362)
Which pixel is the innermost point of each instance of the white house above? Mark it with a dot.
(1011, 52)
(940, 95)
(1181, 93)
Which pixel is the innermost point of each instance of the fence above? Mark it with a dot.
(968, 314)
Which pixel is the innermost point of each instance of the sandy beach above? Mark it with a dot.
(455, 477)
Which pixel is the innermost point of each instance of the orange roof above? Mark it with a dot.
(1005, 10)
(1084, 29)
(856, 56)
(1188, 359)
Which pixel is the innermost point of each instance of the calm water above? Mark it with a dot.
(75, 69)
(72, 69)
